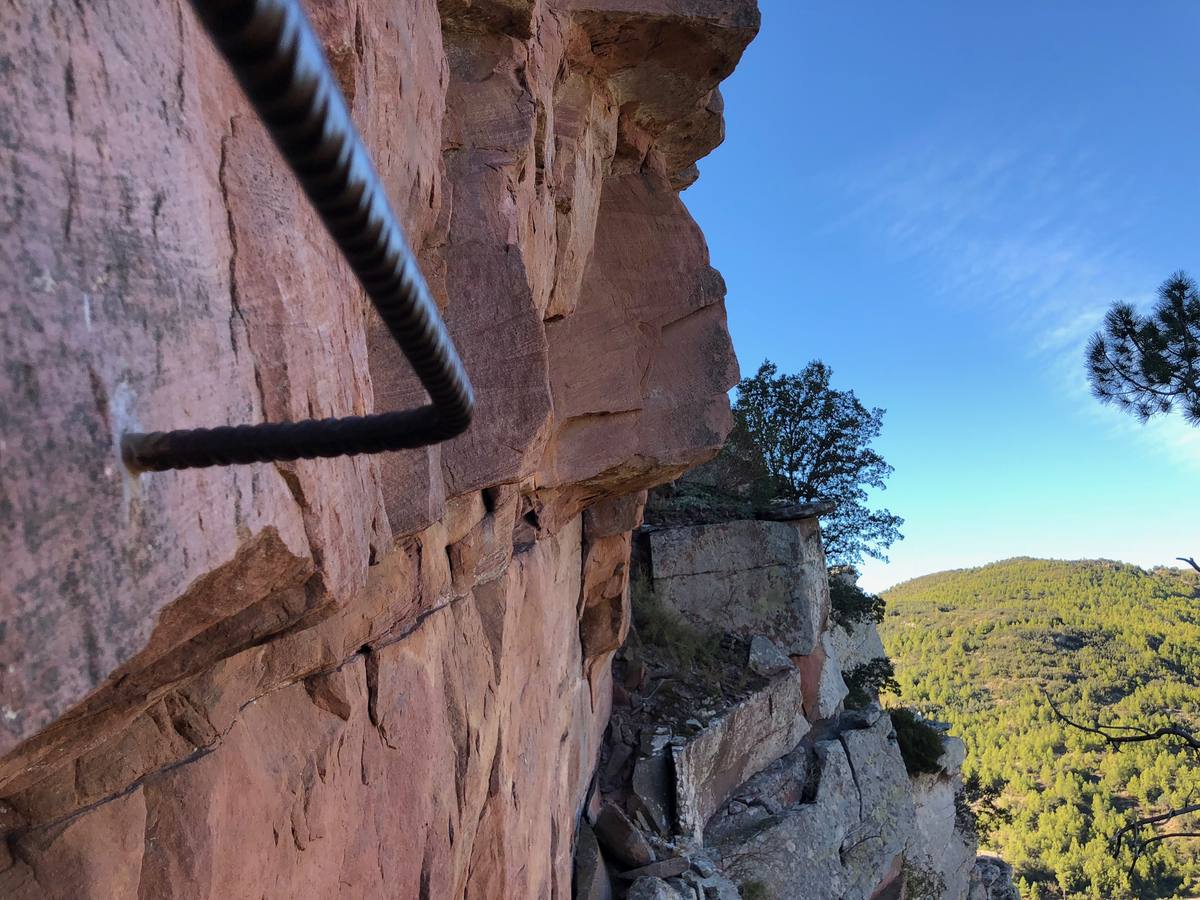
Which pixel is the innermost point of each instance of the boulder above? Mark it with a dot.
(765, 658)
(648, 888)
(684, 889)
(737, 745)
(853, 719)
(667, 868)
(652, 789)
(590, 879)
(954, 754)
(712, 887)
(626, 845)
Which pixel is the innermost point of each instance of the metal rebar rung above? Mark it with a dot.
(275, 55)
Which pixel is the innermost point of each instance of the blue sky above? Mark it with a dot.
(940, 199)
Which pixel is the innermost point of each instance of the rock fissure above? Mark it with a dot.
(853, 777)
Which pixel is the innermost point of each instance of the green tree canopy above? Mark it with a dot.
(983, 649)
(800, 440)
(1149, 365)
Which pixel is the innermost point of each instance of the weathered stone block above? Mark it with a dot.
(621, 838)
(750, 577)
(652, 790)
(765, 658)
(824, 687)
(846, 841)
(859, 645)
(746, 739)
(590, 880)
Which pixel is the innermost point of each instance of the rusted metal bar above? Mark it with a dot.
(278, 61)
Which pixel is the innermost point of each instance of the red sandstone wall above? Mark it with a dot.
(382, 676)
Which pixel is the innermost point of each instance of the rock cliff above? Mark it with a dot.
(738, 755)
(378, 676)
(393, 675)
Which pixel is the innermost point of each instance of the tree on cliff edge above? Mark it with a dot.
(798, 439)
(1150, 364)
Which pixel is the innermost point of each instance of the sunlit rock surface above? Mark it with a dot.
(747, 576)
(380, 676)
(774, 785)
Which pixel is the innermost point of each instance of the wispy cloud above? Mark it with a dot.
(1039, 242)
(1171, 436)
(1036, 235)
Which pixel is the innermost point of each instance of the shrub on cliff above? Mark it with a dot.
(797, 439)
(850, 605)
(920, 743)
(866, 680)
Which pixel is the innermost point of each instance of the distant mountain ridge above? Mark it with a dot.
(1017, 569)
(981, 647)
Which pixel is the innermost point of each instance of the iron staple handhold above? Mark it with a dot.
(273, 51)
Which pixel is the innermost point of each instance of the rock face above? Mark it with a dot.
(856, 646)
(845, 842)
(940, 850)
(739, 744)
(776, 787)
(748, 576)
(379, 676)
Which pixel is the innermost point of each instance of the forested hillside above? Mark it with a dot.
(978, 647)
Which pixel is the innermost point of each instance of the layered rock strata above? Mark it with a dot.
(378, 676)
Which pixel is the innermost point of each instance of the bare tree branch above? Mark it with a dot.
(1138, 736)
(1130, 832)
(1138, 844)
(1190, 561)
(1135, 824)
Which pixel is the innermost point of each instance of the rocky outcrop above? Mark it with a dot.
(847, 841)
(770, 783)
(378, 676)
(738, 744)
(856, 645)
(941, 850)
(749, 577)
(992, 879)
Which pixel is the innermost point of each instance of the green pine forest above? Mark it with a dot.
(979, 647)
